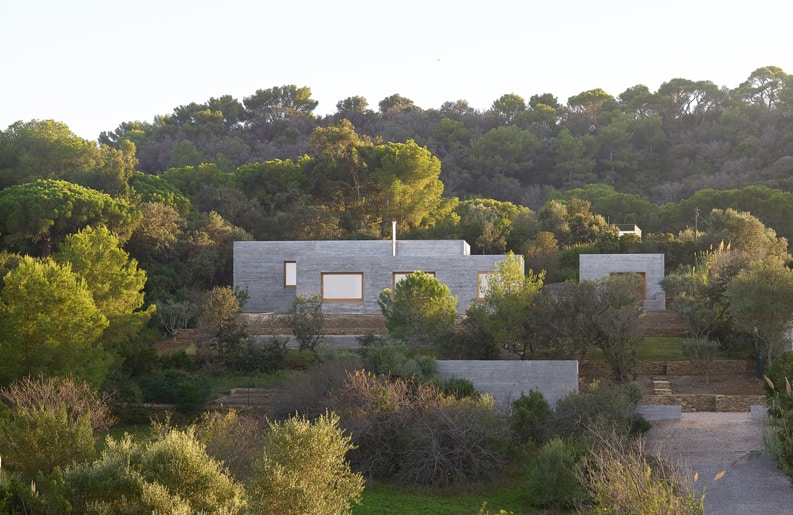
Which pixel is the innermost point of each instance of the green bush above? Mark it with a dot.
(530, 416)
(458, 387)
(266, 355)
(231, 438)
(779, 437)
(779, 369)
(50, 423)
(303, 469)
(41, 439)
(390, 357)
(551, 481)
(187, 392)
(170, 474)
(178, 360)
(602, 407)
(643, 486)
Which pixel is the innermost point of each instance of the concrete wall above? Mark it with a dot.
(505, 380)
(593, 267)
(259, 268)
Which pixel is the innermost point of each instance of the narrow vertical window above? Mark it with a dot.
(290, 274)
(481, 284)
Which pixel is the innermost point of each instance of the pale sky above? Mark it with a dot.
(93, 64)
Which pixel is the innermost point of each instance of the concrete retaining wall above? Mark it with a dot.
(505, 380)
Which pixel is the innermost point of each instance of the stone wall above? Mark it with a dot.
(706, 402)
(273, 324)
(673, 368)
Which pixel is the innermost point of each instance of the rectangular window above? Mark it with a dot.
(398, 276)
(290, 274)
(481, 283)
(342, 287)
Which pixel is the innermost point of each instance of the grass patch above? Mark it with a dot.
(223, 383)
(667, 348)
(652, 348)
(391, 500)
(660, 348)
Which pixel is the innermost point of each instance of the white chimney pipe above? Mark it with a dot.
(393, 238)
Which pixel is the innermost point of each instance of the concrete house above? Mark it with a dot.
(592, 267)
(350, 275)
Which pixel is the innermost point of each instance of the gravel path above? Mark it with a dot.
(709, 443)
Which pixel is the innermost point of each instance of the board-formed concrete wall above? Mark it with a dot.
(505, 380)
(259, 269)
(593, 267)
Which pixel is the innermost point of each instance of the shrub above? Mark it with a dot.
(530, 416)
(187, 392)
(378, 411)
(644, 487)
(602, 407)
(410, 432)
(41, 439)
(306, 392)
(458, 387)
(455, 443)
(305, 318)
(171, 474)
(779, 369)
(50, 422)
(231, 438)
(56, 393)
(303, 469)
(701, 353)
(390, 357)
(264, 355)
(779, 437)
(551, 481)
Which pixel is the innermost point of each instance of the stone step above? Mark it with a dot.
(662, 387)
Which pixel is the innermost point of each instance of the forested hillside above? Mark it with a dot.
(541, 177)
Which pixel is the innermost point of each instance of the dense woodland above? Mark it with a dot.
(107, 245)
(539, 178)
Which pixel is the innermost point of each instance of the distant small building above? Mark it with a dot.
(629, 229)
(593, 267)
(350, 275)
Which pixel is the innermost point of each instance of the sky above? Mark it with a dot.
(93, 64)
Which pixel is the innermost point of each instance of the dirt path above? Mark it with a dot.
(708, 443)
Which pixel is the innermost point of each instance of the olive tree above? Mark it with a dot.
(761, 302)
(305, 319)
(303, 470)
(172, 473)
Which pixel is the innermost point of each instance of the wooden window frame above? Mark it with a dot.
(341, 299)
(286, 274)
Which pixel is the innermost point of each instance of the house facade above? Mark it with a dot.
(650, 267)
(350, 275)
